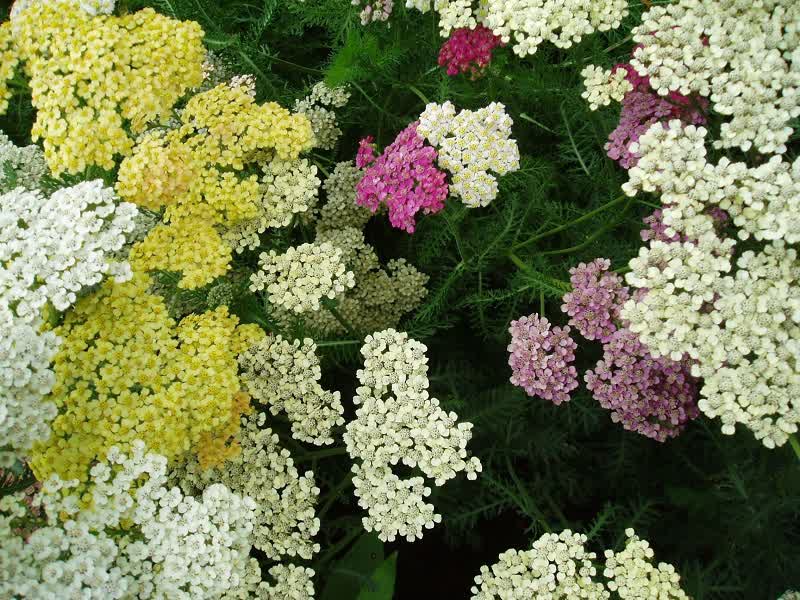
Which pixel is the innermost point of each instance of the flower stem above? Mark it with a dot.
(419, 94)
(535, 122)
(324, 453)
(342, 321)
(590, 239)
(329, 343)
(580, 219)
(795, 444)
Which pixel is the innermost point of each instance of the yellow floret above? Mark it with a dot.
(127, 371)
(8, 63)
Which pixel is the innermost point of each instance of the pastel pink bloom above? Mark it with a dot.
(404, 178)
(541, 359)
(655, 397)
(596, 299)
(469, 51)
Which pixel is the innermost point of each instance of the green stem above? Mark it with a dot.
(535, 122)
(369, 99)
(321, 168)
(341, 544)
(590, 239)
(328, 344)
(252, 65)
(556, 284)
(294, 65)
(342, 321)
(324, 453)
(572, 141)
(795, 444)
(580, 219)
(334, 494)
(419, 94)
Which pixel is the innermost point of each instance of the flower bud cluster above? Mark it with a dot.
(341, 210)
(374, 10)
(470, 145)
(20, 166)
(398, 422)
(318, 108)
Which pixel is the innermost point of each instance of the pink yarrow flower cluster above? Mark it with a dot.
(541, 359)
(641, 108)
(655, 397)
(404, 178)
(596, 298)
(469, 51)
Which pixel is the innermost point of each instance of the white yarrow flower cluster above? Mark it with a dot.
(137, 538)
(603, 86)
(285, 377)
(470, 145)
(743, 56)
(50, 249)
(301, 277)
(397, 422)
(20, 166)
(558, 567)
(284, 518)
(288, 188)
(318, 107)
(632, 575)
(736, 319)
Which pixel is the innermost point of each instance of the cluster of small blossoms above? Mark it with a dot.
(374, 10)
(341, 210)
(559, 567)
(8, 63)
(288, 188)
(541, 358)
(285, 377)
(20, 166)
(468, 51)
(196, 171)
(131, 536)
(51, 248)
(741, 56)
(94, 77)
(126, 371)
(556, 567)
(284, 518)
(528, 23)
(470, 144)
(382, 295)
(404, 178)
(301, 277)
(632, 575)
(398, 422)
(318, 107)
(655, 397)
(603, 86)
(595, 300)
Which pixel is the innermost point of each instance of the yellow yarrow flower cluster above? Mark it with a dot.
(205, 173)
(95, 78)
(8, 63)
(127, 371)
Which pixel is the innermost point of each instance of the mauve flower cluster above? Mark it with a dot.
(404, 177)
(657, 229)
(541, 358)
(642, 107)
(596, 298)
(469, 51)
(652, 396)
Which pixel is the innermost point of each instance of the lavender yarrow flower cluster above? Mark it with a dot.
(596, 298)
(652, 396)
(404, 178)
(541, 358)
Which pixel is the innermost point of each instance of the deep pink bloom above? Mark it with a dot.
(366, 152)
(469, 51)
(652, 396)
(541, 359)
(404, 177)
(596, 299)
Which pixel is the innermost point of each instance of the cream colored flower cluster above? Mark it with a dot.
(632, 575)
(341, 210)
(318, 107)
(742, 55)
(285, 377)
(284, 518)
(287, 188)
(737, 318)
(558, 567)
(132, 538)
(20, 166)
(528, 23)
(470, 144)
(50, 250)
(604, 85)
(397, 422)
(301, 277)
(290, 583)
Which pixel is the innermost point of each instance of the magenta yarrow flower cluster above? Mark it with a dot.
(641, 108)
(404, 178)
(469, 51)
(596, 298)
(655, 397)
(541, 359)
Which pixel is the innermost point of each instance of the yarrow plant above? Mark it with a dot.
(468, 51)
